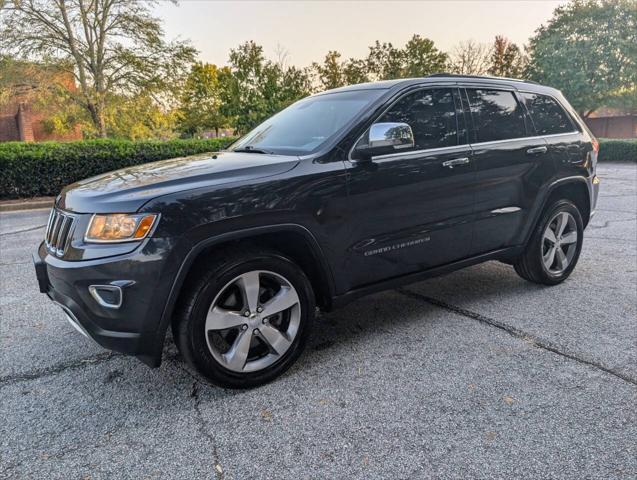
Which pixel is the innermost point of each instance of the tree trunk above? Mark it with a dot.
(97, 117)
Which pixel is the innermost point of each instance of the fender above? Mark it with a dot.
(540, 203)
(153, 355)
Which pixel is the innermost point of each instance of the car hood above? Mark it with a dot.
(126, 190)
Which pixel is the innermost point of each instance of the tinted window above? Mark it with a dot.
(431, 114)
(496, 115)
(547, 115)
(307, 124)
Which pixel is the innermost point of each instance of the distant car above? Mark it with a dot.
(342, 194)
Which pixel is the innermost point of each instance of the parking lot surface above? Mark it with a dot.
(477, 374)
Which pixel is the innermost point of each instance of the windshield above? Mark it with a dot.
(307, 124)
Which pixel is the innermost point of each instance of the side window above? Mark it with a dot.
(547, 115)
(496, 114)
(431, 114)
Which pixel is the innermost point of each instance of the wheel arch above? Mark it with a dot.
(574, 188)
(314, 265)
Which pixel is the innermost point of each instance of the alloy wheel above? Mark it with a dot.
(253, 321)
(559, 243)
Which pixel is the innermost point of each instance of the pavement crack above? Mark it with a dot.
(59, 368)
(517, 333)
(201, 424)
(23, 230)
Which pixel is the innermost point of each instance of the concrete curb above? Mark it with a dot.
(31, 204)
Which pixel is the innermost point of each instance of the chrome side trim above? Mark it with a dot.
(517, 139)
(499, 211)
(417, 153)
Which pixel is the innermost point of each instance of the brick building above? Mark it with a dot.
(21, 121)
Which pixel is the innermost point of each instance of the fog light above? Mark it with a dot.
(108, 296)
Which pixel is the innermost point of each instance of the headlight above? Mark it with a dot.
(119, 227)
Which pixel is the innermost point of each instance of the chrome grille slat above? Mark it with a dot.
(62, 233)
(49, 225)
(59, 232)
(56, 229)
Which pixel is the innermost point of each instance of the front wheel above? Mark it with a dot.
(245, 318)
(554, 247)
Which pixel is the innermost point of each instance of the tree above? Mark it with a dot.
(385, 62)
(471, 58)
(330, 72)
(333, 73)
(507, 60)
(355, 71)
(138, 117)
(588, 50)
(200, 102)
(255, 88)
(112, 47)
(422, 58)
(419, 58)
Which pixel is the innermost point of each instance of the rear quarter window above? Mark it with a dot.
(496, 115)
(547, 115)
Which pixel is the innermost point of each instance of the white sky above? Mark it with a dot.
(308, 29)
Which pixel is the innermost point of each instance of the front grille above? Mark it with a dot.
(59, 232)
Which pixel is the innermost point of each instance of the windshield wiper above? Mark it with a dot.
(251, 149)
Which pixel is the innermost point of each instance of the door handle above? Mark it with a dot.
(455, 162)
(536, 150)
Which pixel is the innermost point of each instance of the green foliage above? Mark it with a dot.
(200, 102)
(507, 59)
(333, 73)
(616, 150)
(256, 88)
(418, 58)
(588, 50)
(41, 169)
(422, 58)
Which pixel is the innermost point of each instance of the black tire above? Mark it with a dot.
(530, 264)
(206, 283)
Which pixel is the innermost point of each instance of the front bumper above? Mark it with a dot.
(133, 328)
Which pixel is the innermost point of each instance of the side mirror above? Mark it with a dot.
(385, 138)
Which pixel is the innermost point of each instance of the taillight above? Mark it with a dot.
(595, 145)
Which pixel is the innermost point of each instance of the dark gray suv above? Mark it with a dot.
(342, 194)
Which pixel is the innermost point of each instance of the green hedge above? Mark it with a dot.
(43, 169)
(616, 150)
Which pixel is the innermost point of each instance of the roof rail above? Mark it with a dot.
(485, 77)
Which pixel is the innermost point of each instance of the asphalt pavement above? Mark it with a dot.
(477, 374)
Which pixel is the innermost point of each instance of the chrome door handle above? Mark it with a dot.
(455, 162)
(536, 150)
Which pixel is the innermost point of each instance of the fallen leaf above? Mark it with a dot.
(266, 415)
(509, 400)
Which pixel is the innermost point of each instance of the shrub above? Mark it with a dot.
(42, 169)
(617, 150)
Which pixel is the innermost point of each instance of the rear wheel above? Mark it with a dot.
(554, 247)
(245, 318)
